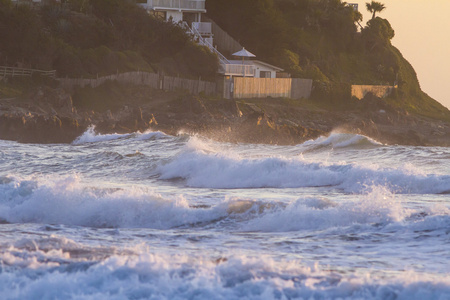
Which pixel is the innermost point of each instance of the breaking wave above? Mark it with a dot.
(67, 201)
(343, 140)
(208, 169)
(91, 136)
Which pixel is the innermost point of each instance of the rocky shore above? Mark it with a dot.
(49, 116)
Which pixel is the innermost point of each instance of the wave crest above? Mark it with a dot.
(343, 140)
(91, 136)
(215, 170)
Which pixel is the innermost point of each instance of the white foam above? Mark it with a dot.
(343, 140)
(67, 201)
(222, 170)
(147, 135)
(161, 276)
(377, 207)
(90, 136)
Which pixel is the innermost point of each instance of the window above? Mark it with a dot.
(265, 74)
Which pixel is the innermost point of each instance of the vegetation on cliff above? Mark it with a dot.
(318, 39)
(323, 40)
(97, 37)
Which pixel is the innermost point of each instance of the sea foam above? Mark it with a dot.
(67, 201)
(209, 169)
(147, 275)
(343, 140)
(377, 207)
(91, 136)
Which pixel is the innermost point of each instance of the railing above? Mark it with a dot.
(202, 41)
(237, 70)
(226, 67)
(202, 27)
(13, 72)
(176, 4)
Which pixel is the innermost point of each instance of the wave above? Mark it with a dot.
(343, 140)
(149, 275)
(377, 207)
(209, 169)
(90, 136)
(67, 201)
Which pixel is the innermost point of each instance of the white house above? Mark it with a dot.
(30, 1)
(189, 14)
(249, 68)
(175, 10)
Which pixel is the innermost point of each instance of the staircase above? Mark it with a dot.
(201, 32)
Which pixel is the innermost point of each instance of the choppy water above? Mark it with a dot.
(151, 216)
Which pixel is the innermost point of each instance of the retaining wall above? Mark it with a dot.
(381, 91)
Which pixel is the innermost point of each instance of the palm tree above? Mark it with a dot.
(375, 7)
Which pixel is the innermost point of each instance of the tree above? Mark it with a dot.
(375, 7)
(378, 33)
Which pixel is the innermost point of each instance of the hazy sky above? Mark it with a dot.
(422, 34)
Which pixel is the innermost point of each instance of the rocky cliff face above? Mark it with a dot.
(48, 116)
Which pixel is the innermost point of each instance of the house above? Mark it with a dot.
(188, 13)
(249, 68)
(29, 1)
(175, 10)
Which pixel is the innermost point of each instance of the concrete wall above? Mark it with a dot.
(224, 42)
(382, 91)
(301, 88)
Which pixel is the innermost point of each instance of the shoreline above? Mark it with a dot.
(49, 116)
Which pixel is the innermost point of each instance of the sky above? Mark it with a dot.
(422, 34)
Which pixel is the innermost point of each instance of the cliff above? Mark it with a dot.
(50, 115)
(310, 39)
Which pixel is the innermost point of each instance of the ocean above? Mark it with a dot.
(153, 216)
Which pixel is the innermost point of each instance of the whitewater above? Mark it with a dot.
(153, 216)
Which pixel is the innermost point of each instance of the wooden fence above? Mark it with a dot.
(295, 88)
(16, 72)
(144, 78)
(239, 88)
(193, 86)
(261, 87)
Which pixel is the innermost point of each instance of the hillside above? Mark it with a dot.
(323, 41)
(316, 39)
(97, 37)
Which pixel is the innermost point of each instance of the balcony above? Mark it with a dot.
(237, 70)
(189, 5)
(203, 28)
